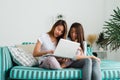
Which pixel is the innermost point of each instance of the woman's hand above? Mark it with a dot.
(96, 58)
(50, 51)
(80, 51)
(80, 48)
(63, 65)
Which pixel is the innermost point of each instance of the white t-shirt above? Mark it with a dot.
(46, 44)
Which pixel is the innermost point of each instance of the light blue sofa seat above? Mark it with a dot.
(20, 72)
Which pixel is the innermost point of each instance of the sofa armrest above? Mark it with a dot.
(89, 51)
(5, 63)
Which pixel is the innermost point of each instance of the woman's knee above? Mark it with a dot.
(94, 61)
(51, 59)
(54, 64)
(88, 61)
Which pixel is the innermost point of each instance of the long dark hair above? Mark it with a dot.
(59, 22)
(80, 34)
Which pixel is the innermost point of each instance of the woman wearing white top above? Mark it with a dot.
(90, 64)
(47, 43)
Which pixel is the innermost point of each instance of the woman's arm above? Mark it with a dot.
(78, 57)
(37, 52)
(81, 56)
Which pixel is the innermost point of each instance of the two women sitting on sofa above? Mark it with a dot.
(47, 43)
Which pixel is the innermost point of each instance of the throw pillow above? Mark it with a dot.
(29, 47)
(21, 57)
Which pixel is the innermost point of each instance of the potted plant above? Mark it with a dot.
(112, 31)
(101, 38)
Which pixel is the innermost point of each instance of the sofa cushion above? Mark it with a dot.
(22, 72)
(21, 57)
(28, 47)
(110, 70)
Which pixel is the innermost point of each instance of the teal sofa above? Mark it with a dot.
(10, 71)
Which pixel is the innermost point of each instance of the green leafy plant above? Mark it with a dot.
(112, 31)
(100, 40)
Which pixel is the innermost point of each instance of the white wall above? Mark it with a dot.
(25, 20)
(109, 6)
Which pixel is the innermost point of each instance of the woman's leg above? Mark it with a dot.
(96, 71)
(50, 63)
(86, 65)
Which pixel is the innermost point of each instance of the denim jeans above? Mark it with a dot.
(90, 68)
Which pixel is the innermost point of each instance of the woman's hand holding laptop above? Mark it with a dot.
(50, 51)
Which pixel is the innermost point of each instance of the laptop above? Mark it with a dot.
(66, 49)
